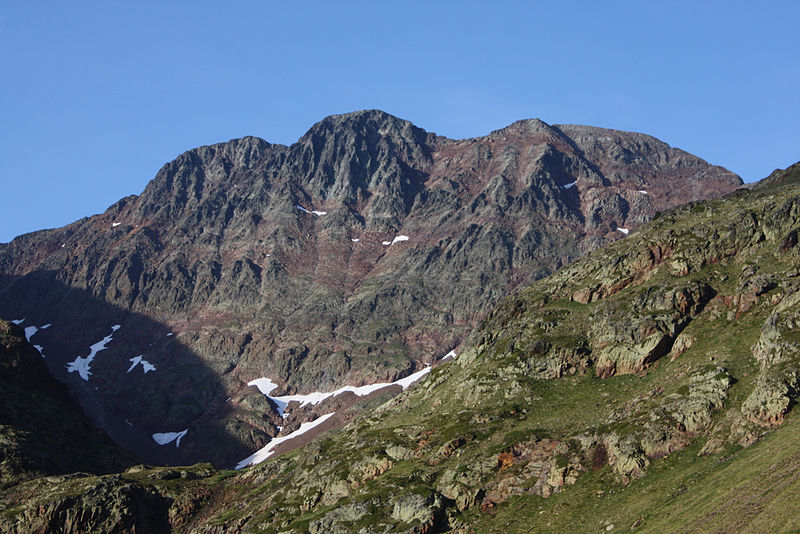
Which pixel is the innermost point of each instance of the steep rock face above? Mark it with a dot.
(247, 259)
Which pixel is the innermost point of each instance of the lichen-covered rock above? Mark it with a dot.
(707, 392)
(771, 397)
(413, 508)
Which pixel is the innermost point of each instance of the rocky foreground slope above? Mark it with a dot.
(359, 254)
(649, 386)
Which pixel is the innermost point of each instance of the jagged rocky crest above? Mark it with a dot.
(218, 251)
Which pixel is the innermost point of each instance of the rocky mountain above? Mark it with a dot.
(649, 386)
(359, 254)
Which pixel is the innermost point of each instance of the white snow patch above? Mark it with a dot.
(170, 334)
(129, 423)
(45, 327)
(63, 245)
(264, 453)
(623, 230)
(40, 349)
(163, 438)
(356, 240)
(29, 331)
(82, 365)
(146, 366)
(266, 386)
(567, 186)
(410, 379)
(114, 225)
(642, 191)
(395, 240)
(18, 321)
(450, 355)
(315, 212)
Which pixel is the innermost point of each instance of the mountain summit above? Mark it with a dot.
(359, 254)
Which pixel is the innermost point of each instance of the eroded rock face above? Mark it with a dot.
(269, 260)
(778, 355)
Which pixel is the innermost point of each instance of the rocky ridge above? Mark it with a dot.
(248, 259)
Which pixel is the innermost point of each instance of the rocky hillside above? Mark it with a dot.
(356, 255)
(649, 386)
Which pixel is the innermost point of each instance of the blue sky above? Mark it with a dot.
(96, 98)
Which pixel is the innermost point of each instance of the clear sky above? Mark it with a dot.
(96, 96)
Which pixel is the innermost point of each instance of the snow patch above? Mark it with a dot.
(567, 186)
(170, 334)
(623, 230)
(315, 212)
(114, 225)
(355, 240)
(410, 379)
(449, 356)
(45, 327)
(82, 365)
(146, 366)
(395, 240)
(266, 386)
(642, 191)
(264, 453)
(18, 321)
(40, 349)
(163, 438)
(29, 331)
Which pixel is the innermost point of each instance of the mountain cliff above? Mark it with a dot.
(359, 254)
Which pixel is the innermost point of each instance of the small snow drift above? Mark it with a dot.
(314, 212)
(163, 438)
(623, 230)
(449, 356)
(82, 365)
(567, 186)
(114, 225)
(29, 331)
(395, 240)
(18, 321)
(642, 191)
(356, 240)
(264, 453)
(146, 366)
